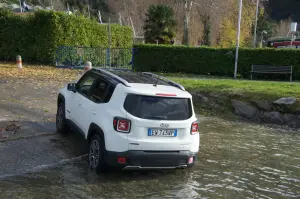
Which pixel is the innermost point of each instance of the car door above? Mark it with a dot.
(78, 105)
(95, 103)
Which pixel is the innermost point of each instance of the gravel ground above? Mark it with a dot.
(28, 137)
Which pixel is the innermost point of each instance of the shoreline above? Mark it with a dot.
(247, 110)
(251, 101)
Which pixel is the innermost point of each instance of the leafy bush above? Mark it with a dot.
(36, 37)
(211, 61)
(160, 24)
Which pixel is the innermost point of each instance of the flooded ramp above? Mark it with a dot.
(236, 160)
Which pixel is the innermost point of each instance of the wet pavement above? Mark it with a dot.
(236, 159)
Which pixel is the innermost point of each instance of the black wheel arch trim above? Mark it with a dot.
(75, 127)
(94, 128)
(60, 98)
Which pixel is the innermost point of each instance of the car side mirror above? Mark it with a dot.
(72, 87)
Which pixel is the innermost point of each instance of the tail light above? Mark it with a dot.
(122, 160)
(122, 125)
(190, 160)
(194, 128)
(166, 95)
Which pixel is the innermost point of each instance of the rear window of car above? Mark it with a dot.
(158, 108)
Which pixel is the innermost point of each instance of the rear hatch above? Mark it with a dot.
(159, 123)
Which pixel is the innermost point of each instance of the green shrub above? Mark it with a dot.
(211, 61)
(36, 37)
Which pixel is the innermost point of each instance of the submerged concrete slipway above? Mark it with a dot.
(236, 159)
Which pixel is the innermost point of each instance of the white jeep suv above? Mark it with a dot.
(131, 120)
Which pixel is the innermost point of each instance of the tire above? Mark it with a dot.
(61, 123)
(96, 154)
(191, 166)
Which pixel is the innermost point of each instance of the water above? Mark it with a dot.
(236, 160)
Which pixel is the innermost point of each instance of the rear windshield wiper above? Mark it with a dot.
(156, 117)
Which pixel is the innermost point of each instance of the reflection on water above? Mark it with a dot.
(236, 160)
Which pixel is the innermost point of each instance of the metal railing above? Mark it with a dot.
(76, 56)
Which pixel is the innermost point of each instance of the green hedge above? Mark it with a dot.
(211, 61)
(37, 36)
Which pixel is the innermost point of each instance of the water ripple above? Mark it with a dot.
(237, 160)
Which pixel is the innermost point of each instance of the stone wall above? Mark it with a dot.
(283, 111)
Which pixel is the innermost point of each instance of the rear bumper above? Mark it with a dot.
(137, 160)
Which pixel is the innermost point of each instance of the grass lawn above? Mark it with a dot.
(250, 89)
(268, 90)
(184, 75)
(265, 90)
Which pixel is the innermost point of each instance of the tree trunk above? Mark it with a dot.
(188, 8)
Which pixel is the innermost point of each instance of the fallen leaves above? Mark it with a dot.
(48, 73)
(12, 127)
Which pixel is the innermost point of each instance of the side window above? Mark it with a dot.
(110, 92)
(100, 91)
(85, 84)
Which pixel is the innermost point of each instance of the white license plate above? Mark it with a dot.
(162, 132)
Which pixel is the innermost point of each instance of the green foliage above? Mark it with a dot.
(211, 61)
(250, 90)
(36, 37)
(229, 26)
(160, 24)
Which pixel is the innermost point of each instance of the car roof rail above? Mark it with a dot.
(113, 76)
(170, 82)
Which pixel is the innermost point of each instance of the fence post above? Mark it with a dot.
(107, 57)
(57, 58)
(19, 62)
(132, 59)
(291, 77)
(109, 42)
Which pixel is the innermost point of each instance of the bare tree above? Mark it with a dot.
(188, 16)
(55, 4)
(283, 27)
(188, 5)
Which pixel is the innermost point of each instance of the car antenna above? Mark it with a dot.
(156, 81)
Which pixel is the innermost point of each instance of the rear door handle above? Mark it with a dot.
(79, 103)
(93, 112)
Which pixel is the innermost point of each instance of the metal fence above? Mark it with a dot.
(75, 57)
